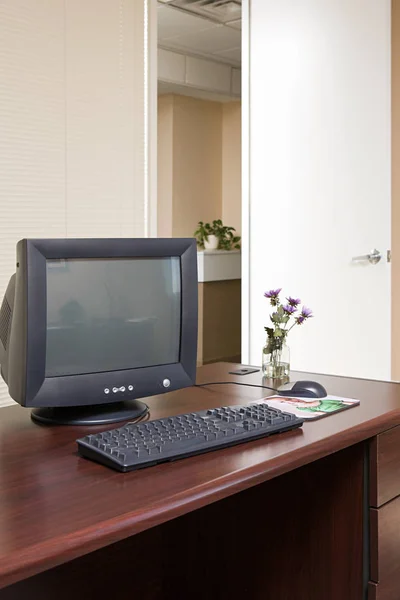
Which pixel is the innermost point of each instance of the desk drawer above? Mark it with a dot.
(385, 467)
(385, 550)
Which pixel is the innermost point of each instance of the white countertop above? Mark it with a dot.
(218, 265)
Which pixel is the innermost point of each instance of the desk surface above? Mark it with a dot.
(56, 506)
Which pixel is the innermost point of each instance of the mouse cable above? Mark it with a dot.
(144, 416)
(236, 383)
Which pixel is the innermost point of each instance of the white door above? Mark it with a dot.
(319, 180)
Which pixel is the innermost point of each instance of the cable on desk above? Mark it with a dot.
(236, 383)
(145, 416)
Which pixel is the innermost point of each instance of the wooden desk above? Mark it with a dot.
(312, 514)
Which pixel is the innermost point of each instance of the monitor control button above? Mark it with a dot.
(115, 390)
(122, 388)
(106, 391)
(130, 388)
(166, 383)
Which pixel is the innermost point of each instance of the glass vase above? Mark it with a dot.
(276, 359)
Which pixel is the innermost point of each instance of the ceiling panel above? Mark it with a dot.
(214, 39)
(234, 54)
(173, 22)
(220, 11)
(235, 24)
(193, 34)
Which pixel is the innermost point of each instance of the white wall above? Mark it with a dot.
(319, 174)
(72, 122)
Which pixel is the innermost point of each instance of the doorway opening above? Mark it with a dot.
(199, 153)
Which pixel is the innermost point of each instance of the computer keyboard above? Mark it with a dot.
(135, 446)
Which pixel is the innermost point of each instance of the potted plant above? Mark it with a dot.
(216, 236)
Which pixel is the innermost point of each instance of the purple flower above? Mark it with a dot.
(273, 296)
(306, 312)
(289, 309)
(273, 293)
(293, 301)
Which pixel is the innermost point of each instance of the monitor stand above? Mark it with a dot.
(97, 414)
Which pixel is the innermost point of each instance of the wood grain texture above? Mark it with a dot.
(221, 335)
(287, 538)
(385, 541)
(385, 467)
(56, 506)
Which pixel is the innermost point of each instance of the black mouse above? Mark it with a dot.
(302, 389)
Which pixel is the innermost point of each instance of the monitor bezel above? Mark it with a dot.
(88, 389)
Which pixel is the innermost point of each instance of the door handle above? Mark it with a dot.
(373, 257)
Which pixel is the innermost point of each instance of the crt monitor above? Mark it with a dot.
(89, 326)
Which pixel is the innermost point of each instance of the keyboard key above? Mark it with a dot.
(155, 450)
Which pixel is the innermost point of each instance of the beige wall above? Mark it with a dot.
(189, 163)
(199, 164)
(395, 189)
(232, 165)
(164, 162)
(199, 178)
(197, 157)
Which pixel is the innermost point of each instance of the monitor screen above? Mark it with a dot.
(112, 314)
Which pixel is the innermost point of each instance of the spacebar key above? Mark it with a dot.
(182, 445)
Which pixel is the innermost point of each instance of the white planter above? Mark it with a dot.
(211, 243)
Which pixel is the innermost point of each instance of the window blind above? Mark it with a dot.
(72, 106)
